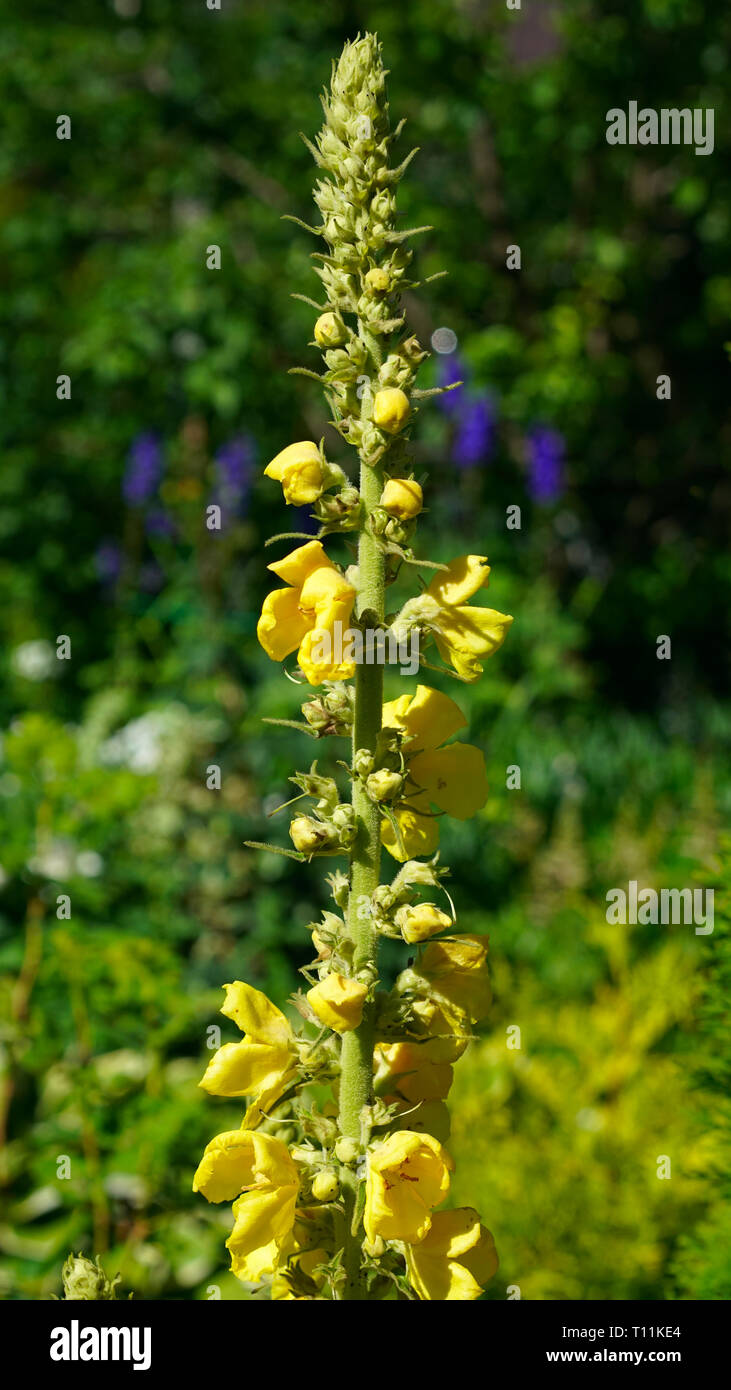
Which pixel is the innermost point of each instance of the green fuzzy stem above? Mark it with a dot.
(356, 1056)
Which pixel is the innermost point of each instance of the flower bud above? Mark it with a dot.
(325, 1186)
(402, 497)
(330, 331)
(341, 511)
(324, 951)
(412, 351)
(338, 1002)
(331, 713)
(375, 1248)
(343, 819)
(378, 280)
(391, 409)
(339, 887)
(363, 763)
(311, 836)
(347, 1151)
(299, 468)
(421, 921)
(384, 785)
(86, 1281)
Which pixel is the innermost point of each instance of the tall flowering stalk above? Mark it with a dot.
(339, 1165)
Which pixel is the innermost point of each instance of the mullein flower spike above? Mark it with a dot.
(338, 1190)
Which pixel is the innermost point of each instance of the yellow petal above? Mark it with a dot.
(299, 469)
(408, 1174)
(281, 626)
(428, 717)
(456, 969)
(254, 1014)
(454, 778)
(466, 636)
(408, 1070)
(247, 1069)
(226, 1168)
(322, 656)
(263, 1224)
(402, 497)
(455, 1259)
(461, 580)
(323, 589)
(338, 1002)
(295, 567)
(391, 409)
(419, 832)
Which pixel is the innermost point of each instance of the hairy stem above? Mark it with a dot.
(356, 1057)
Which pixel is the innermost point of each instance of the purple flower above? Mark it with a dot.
(546, 450)
(451, 370)
(108, 562)
(159, 523)
(475, 434)
(234, 464)
(143, 471)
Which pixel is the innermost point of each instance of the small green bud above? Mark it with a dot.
(378, 280)
(384, 785)
(84, 1280)
(340, 888)
(363, 763)
(347, 1151)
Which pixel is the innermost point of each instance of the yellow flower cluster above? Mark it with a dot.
(279, 1208)
(452, 778)
(338, 1172)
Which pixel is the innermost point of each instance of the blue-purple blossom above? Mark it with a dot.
(234, 466)
(475, 435)
(144, 470)
(108, 562)
(159, 523)
(450, 370)
(546, 451)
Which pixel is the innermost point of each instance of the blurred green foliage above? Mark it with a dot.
(185, 134)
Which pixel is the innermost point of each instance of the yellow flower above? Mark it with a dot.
(408, 1175)
(419, 921)
(338, 1002)
(453, 778)
(240, 1159)
(299, 469)
(406, 1069)
(455, 972)
(305, 613)
(391, 409)
(264, 1063)
(402, 497)
(454, 1260)
(264, 1218)
(258, 1167)
(464, 636)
